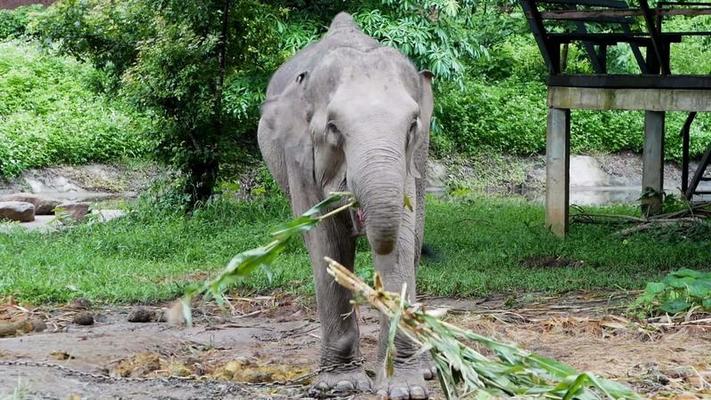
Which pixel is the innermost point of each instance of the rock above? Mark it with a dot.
(84, 318)
(21, 327)
(436, 177)
(17, 211)
(141, 314)
(61, 355)
(80, 304)
(586, 171)
(76, 211)
(43, 205)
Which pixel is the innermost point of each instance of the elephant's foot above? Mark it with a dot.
(403, 385)
(352, 380)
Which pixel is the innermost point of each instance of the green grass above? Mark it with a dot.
(151, 256)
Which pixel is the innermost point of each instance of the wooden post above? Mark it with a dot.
(653, 158)
(558, 170)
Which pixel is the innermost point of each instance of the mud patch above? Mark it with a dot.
(244, 351)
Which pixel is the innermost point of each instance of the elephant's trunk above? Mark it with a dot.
(378, 185)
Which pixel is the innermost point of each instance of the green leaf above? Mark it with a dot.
(408, 202)
(675, 306)
(655, 287)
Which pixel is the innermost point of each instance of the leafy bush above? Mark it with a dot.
(49, 114)
(13, 23)
(678, 292)
(507, 116)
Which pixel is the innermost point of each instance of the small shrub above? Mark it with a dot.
(13, 23)
(678, 292)
(49, 114)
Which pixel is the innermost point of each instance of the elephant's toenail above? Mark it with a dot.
(398, 394)
(382, 395)
(417, 392)
(344, 386)
(363, 385)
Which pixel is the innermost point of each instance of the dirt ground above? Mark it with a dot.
(276, 338)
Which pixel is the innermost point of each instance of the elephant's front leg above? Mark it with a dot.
(396, 269)
(339, 327)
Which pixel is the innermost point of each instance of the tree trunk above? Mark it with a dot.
(203, 172)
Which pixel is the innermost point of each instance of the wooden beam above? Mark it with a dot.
(617, 16)
(685, 145)
(647, 81)
(539, 33)
(591, 3)
(653, 162)
(558, 171)
(611, 38)
(629, 99)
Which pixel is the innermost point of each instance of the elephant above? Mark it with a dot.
(347, 114)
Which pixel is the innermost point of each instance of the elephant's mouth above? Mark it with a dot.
(358, 218)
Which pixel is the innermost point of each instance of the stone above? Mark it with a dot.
(17, 211)
(586, 171)
(76, 211)
(84, 318)
(43, 205)
(141, 314)
(80, 304)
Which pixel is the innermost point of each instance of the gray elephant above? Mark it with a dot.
(346, 114)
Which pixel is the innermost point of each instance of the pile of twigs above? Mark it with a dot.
(695, 213)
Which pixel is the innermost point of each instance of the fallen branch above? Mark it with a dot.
(653, 223)
(466, 373)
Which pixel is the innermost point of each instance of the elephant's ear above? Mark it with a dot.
(421, 138)
(283, 133)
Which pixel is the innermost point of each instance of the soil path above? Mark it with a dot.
(276, 338)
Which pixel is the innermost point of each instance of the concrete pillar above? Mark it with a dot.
(557, 170)
(653, 158)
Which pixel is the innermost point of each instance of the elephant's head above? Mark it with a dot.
(368, 114)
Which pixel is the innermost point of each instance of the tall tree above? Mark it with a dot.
(174, 58)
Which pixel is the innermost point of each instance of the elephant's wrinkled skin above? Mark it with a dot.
(348, 114)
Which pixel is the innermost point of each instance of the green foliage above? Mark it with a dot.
(199, 68)
(104, 32)
(509, 116)
(13, 23)
(49, 114)
(680, 291)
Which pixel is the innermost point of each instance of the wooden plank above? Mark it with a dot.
(611, 38)
(653, 162)
(629, 99)
(590, 3)
(647, 81)
(617, 15)
(558, 171)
